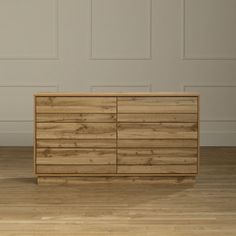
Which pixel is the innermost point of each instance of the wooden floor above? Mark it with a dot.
(208, 208)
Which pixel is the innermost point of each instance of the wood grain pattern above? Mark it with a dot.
(87, 135)
(156, 156)
(80, 117)
(156, 143)
(162, 169)
(76, 143)
(157, 105)
(146, 117)
(157, 130)
(76, 105)
(76, 130)
(75, 169)
(83, 156)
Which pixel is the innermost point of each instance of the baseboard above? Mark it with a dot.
(218, 139)
(16, 139)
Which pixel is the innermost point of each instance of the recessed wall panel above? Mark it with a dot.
(120, 29)
(28, 29)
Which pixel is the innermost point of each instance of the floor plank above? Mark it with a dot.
(149, 209)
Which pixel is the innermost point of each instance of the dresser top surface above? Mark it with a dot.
(93, 94)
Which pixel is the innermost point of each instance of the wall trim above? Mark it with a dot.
(183, 41)
(55, 55)
(91, 57)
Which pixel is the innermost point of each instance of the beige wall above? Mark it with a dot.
(118, 45)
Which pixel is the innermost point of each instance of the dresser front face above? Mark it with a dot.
(119, 135)
(75, 135)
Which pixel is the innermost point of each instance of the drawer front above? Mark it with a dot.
(157, 130)
(75, 169)
(75, 118)
(76, 131)
(157, 156)
(157, 169)
(75, 105)
(155, 117)
(157, 105)
(76, 143)
(156, 143)
(75, 156)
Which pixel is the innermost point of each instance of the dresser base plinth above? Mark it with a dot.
(73, 180)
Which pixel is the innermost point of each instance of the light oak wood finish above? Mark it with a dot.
(118, 206)
(83, 156)
(171, 156)
(80, 117)
(157, 104)
(116, 135)
(157, 131)
(76, 130)
(76, 143)
(75, 105)
(144, 117)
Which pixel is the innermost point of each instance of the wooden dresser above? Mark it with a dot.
(116, 134)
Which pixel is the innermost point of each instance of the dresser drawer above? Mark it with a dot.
(76, 143)
(75, 169)
(157, 130)
(157, 156)
(157, 169)
(74, 156)
(156, 143)
(75, 117)
(156, 117)
(76, 131)
(157, 105)
(75, 104)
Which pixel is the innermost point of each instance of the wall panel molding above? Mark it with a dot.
(54, 55)
(94, 57)
(184, 55)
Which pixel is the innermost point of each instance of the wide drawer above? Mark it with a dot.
(75, 130)
(157, 104)
(75, 169)
(157, 130)
(76, 143)
(75, 117)
(156, 117)
(75, 105)
(157, 169)
(82, 156)
(157, 156)
(155, 143)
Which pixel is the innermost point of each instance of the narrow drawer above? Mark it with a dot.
(157, 117)
(76, 117)
(75, 169)
(157, 131)
(157, 169)
(157, 156)
(156, 143)
(82, 156)
(75, 105)
(76, 143)
(76, 131)
(157, 104)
